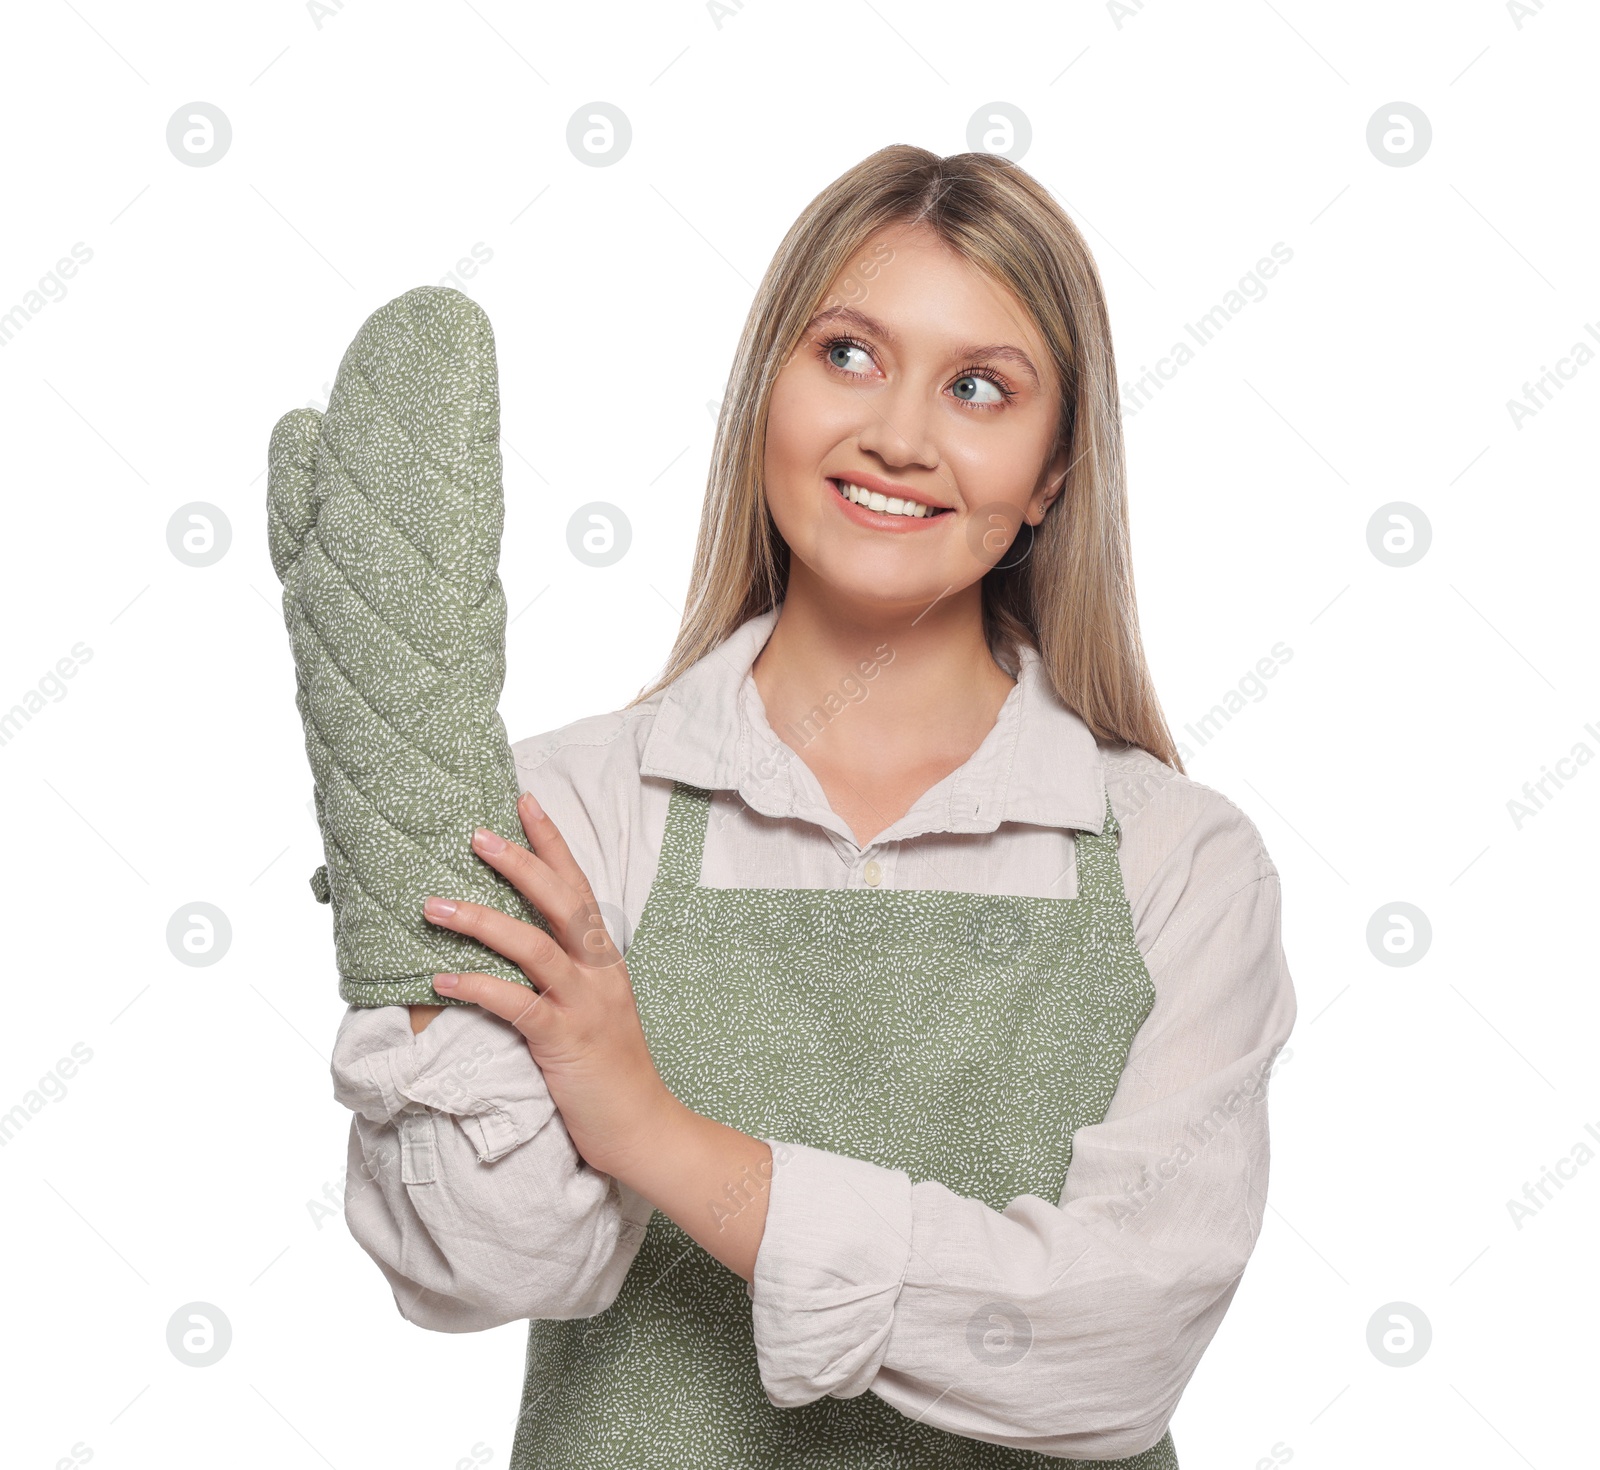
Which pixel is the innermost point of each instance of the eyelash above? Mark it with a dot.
(825, 351)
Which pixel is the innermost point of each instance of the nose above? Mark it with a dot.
(899, 426)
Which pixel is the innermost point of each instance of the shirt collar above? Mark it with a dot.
(1039, 764)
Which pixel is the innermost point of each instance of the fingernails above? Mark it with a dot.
(488, 842)
(439, 908)
(444, 982)
(531, 805)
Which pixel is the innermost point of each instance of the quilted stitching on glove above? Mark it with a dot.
(384, 522)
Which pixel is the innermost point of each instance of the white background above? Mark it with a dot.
(370, 152)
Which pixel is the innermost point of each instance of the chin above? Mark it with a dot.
(879, 582)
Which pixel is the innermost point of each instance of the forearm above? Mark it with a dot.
(421, 1015)
(463, 1184)
(711, 1180)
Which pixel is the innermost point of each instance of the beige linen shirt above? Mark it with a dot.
(466, 1190)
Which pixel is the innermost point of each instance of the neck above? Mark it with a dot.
(911, 685)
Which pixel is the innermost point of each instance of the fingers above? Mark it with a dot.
(504, 998)
(533, 951)
(549, 878)
(584, 931)
(530, 876)
(548, 842)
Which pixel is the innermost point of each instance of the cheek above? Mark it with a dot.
(804, 406)
(785, 431)
(994, 469)
(803, 429)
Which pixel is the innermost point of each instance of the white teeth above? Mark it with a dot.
(873, 500)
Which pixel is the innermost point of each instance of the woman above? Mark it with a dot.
(922, 910)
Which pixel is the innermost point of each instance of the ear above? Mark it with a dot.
(1052, 481)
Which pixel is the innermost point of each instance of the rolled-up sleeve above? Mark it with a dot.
(462, 1183)
(1067, 1327)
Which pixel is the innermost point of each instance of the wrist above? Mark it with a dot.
(708, 1178)
(421, 1015)
(656, 1140)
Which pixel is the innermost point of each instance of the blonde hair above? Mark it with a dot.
(1072, 598)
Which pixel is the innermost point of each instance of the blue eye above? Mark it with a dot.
(968, 385)
(840, 350)
(978, 387)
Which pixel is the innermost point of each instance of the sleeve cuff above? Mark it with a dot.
(466, 1063)
(370, 1040)
(828, 1273)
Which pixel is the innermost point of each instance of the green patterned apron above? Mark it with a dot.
(956, 1036)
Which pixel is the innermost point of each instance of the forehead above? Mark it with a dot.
(927, 295)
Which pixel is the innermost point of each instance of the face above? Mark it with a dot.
(933, 393)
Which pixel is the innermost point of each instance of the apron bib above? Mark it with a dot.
(957, 1036)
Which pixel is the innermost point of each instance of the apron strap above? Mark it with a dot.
(683, 844)
(1099, 871)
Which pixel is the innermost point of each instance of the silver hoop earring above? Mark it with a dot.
(1006, 566)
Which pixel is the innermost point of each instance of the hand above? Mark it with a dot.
(580, 1020)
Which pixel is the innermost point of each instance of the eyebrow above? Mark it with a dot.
(999, 351)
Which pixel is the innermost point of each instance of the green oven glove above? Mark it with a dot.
(384, 520)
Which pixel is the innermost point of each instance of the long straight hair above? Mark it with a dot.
(1071, 599)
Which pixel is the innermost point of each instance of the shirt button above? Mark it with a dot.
(872, 873)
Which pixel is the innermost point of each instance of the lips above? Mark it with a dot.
(886, 494)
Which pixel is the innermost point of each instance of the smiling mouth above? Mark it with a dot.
(884, 504)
